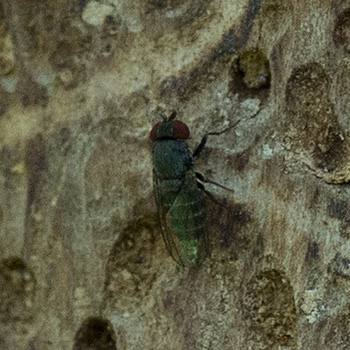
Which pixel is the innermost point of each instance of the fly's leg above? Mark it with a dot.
(204, 140)
(209, 194)
(201, 178)
(200, 147)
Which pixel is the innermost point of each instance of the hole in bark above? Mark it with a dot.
(312, 121)
(251, 76)
(271, 312)
(95, 334)
(17, 290)
(341, 33)
(131, 268)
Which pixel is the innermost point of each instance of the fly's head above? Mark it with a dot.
(169, 129)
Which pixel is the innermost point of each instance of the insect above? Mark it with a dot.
(179, 192)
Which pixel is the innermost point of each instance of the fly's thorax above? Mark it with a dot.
(172, 159)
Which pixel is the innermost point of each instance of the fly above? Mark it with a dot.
(179, 192)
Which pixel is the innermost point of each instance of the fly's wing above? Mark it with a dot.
(182, 219)
(164, 200)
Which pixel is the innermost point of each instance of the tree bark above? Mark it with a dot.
(82, 261)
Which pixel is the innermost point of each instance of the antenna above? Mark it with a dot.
(172, 116)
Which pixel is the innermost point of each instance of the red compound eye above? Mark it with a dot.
(153, 133)
(181, 130)
(169, 129)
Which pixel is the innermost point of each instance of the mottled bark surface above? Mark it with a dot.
(82, 262)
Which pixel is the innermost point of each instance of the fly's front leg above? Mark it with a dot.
(200, 147)
(204, 140)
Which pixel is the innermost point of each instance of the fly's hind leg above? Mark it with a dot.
(209, 194)
(201, 178)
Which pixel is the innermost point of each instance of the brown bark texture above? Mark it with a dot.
(82, 261)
